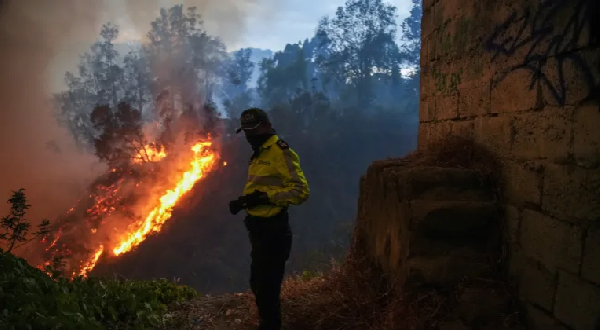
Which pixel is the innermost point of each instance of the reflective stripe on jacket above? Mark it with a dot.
(276, 171)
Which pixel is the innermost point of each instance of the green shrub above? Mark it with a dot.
(33, 300)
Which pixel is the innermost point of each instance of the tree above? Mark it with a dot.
(178, 70)
(121, 140)
(238, 72)
(187, 59)
(359, 41)
(239, 68)
(16, 227)
(411, 34)
(283, 76)
(99, 81)
(137, 78)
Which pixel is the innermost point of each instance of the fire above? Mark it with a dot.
(162, 212)
(149, 154)
(111, 198)
(88, 266)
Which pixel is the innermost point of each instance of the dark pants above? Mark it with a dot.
(271, 240)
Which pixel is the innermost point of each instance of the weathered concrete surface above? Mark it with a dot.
(522, 78)
(434, 227)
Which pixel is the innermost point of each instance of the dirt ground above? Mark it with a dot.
(223, 312)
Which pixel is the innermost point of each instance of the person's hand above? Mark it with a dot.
(257, 198)
(236, 206)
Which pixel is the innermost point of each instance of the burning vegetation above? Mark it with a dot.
(147, 177)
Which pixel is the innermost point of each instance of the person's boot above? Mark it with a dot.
(269, 325)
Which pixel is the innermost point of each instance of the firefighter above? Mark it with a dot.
(275, 181)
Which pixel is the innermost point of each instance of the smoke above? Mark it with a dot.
(223, 18)
(38, 154)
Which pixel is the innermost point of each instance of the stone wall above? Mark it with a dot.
(522, 77)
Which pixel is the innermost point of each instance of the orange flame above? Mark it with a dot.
(152, 155)
(200, 164)
(106, 200)
(88, 266)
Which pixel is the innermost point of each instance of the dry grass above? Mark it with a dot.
(345, 298)
(353, 296)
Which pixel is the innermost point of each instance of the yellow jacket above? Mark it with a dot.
(276, 171)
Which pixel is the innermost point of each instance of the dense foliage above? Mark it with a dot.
(31, 299)
(36, 299)
(14, 226)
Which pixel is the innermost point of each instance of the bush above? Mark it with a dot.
(33, 300)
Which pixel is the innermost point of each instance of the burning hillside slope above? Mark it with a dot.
(127, 204)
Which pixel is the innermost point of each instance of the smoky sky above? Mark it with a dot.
(36, 152)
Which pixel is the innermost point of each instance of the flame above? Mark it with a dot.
(152, 155)
(104, 200)
(88, 266)
(162, 212)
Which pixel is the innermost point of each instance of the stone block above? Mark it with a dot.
(454, 219)
(444, 271)
(464, 128)
(590, 268)
(516, 261)
(447, 46)
(427, 83)
(556, 143)
(425, 246)
(494, 133)
(427, 110)
(586, 138)
(537, 284)
(554, 243)
(571, 78)
(446, 79)
(507, 30)
(443, 184)
(427, 24)
(577, 302)
(476, 69)
(444, 11)
(439, 130)
(424, 53)
(469, 33)
(427, 4)
(543, 134)
(452, 325)
(513, 220)
(474, 99)
(423, 135)
(512, 93)
(522, 183)
(571, 193)
(446, 106)
(537, 319)
(432, 46)
(480, 306)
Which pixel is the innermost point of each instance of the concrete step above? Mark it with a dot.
(454, 219)
(444, 271)
(437, 183)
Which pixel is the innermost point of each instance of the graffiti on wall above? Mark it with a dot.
(554, 41)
